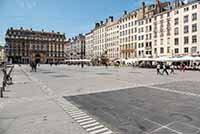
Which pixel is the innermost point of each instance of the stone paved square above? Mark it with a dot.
(124, 100)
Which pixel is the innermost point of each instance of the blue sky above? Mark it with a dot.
(69, 16)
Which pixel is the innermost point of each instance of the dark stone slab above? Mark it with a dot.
(184, 128)
(139, 110)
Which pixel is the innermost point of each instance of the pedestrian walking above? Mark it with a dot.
(165, 69)
(183, 67)
(34, 66)
(158, 69)
(172, 69)
(31, 65)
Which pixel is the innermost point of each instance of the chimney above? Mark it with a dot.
(143, 8)
(101, 22)
(52, 31)
(21, 28)
(158, 6)
(31, 29)
(176, 3)
(110, 19)
(125, 12)
(97, 25)
(42, 30)
(107, 20)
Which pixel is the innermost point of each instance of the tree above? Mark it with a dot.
(104, 59)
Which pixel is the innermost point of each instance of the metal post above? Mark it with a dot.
(4, 79)
(82, 65)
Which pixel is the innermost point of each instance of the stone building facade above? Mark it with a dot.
(104, 38)
(89, 45)
(151, 31)
(75, 48)
(25, 45)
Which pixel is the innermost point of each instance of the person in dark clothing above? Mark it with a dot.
(172, 69)
(165, 69)
(31, 65)
(158, 69)
(34, 66)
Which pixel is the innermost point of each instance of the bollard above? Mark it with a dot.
(1, 92)
(4, 79)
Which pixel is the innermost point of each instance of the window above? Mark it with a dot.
(150, 28)
(161, 50)
(176, 41)
(176, 31)
(168, 40)
(176, 50)
(168, 14)
(168, 49)
(176, 21)
(186, 9)
(194, 16)
(161, 42)
(155, 42)
(186, 40)
(186, 29)
(186, 18)
(193, 49)
(194, 6)
(155, 50)
(186, 50)
(176, 12)
(194, 27)
(194, 39)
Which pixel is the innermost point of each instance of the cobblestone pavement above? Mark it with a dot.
(100, 100)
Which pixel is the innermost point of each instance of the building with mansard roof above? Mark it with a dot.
(25, 45)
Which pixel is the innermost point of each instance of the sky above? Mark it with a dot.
(67, 16)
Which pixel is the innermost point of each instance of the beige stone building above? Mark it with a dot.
(99, 39)
(75, 49)
(89, 45)
(162, 28)
(112, 39)
(128, 34)
(185, 38)
(151, 31)
(104, 38)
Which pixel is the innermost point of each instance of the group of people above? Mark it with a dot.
(164, 69)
